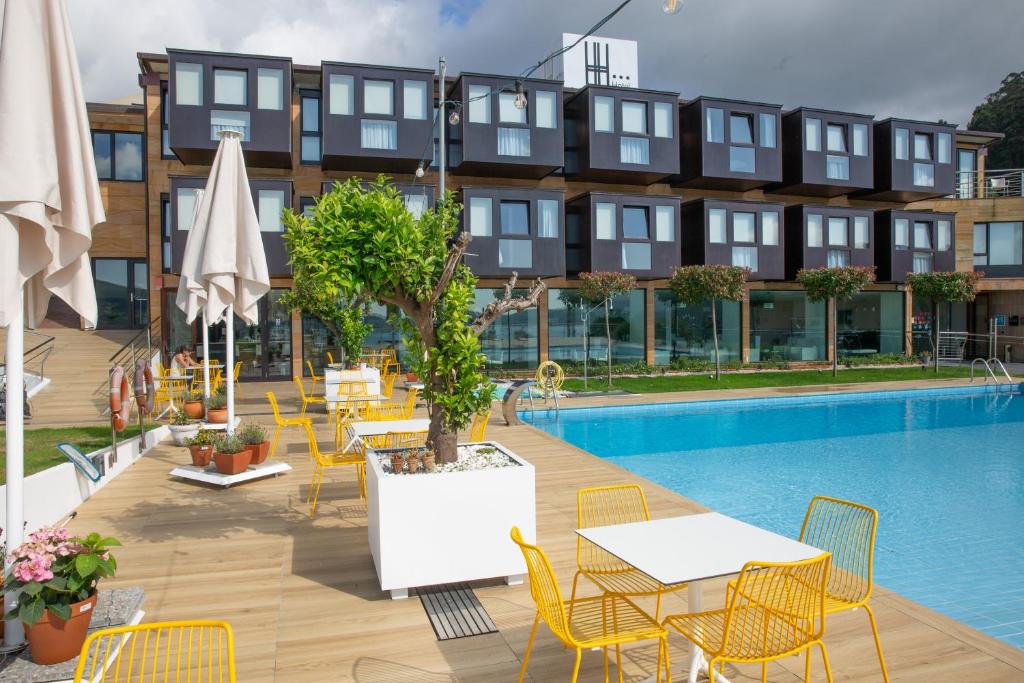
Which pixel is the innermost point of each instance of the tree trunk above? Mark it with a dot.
(440, 438)
(714, 335)
(935, 360)
(835, 338)
(608, 336)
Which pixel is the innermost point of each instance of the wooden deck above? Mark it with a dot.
(302, 597)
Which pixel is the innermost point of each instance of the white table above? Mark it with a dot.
(333, 379)
(692, 549)
(378, 427)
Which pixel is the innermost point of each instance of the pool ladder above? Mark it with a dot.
(988, 366)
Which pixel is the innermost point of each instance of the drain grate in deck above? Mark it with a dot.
(455, 612)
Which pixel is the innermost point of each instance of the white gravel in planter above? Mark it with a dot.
(471, 457)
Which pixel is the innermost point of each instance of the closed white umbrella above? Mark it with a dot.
(49, 202)
(224, 270)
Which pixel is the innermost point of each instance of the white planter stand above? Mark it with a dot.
(437, 528)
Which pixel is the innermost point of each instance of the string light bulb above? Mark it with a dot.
(419, 170)
(453, 117)
(671, 6)
(520, 101)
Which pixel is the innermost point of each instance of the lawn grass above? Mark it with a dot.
(40, 451)
(752, 380)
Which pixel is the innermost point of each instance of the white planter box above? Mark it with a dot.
(429, 529)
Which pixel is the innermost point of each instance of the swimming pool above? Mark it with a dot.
(944, 468)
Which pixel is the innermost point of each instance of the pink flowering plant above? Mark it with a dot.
(52, 570)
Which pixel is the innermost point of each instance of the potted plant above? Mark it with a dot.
(200, 445)
(56, 577)
(194, 407)
(182, 427)
(230, 455)
(255, 438)
(217, 407)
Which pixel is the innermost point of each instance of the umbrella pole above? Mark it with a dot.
(229, 365)
(206, 356)
(14, 633)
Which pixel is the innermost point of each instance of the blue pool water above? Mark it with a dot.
(944, 468)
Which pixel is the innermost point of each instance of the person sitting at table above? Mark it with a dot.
(183, 360)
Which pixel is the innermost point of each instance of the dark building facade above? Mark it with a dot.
(735, 233)
(826, 153)
(820, 236)
(913, 161)
(913, 242)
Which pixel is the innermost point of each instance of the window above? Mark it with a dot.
(923, 146)
(417, 205)
(980, 244)
(342, 94)
(945, 148)
(716, 226)
(514, 142)
(230, 86)
(118, 156)
(740, 129)
(922, 235)
(546, 114)
(814, 230)
(165, 123)
(902, 141)
(924, 175)
(901, 233)
(634, 117)
(860, 139)
(414, 100)
(636, 256)
(547, 218)
(604, 114)
(186, 198)
(379, 97)
(634, 150)
(480, 216)
(515, 254)
(967, 168)
(634, 223)
(507, 110)
(663, 119)
(307, 206)
(378, 134)
(310, 117)
(838, 229)
(479, 104)
(664, 223)
(837, 168)
(835, 138)
(744, 227)
(922, 262)
(838, 258)
(515, 218)
(943, 235)
(998, 244)
(861, 232)
(604, 221)
(741, 159)
(229, 120)
(270, 205)
(812, 135)
(770, 228)
(766, 130)
(165, 233)
(270, 89)
(715, 125)
(188, 84)
(745, 257)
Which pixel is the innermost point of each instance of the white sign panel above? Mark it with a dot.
(597, 61)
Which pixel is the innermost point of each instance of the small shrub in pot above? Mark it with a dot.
(231, 455)
(182, 427)
(194, 407)
(254, 436)
(217, 408)
(200, 446)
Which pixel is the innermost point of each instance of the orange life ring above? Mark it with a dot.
(119, 399)
(144, 387)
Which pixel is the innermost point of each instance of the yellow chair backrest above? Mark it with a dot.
(774, 608)
(330, 358)
(383, 411)
(302, 389)
(314, 447)
(478, 430)
(847, 530)
(353, 388)
(238, 369)
(344, 435)
(312, 372)
(387, 384)
(605, 506)
(162, 651)
(410, 399)
(544, 588)
(406, 439)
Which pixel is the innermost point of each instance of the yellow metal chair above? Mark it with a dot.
(324, 460)
(162, 651)
(587, 623)
(772, 610)
(308, 400)
(345, 438)
(604, 506)
(281, 422)
(235, 374)
(353, 394)
(316, 379)
(478, 429)
(384, 411)
(387, 384)
(330, 358)
(397, 440)
(847, 530)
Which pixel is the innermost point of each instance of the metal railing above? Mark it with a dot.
(140, 347)
(994, 183)
(987, 364)
(35, 355)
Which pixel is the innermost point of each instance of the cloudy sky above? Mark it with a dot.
(927, 59)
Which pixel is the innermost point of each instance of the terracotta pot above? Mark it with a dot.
(411, 377)
(259, 451)
(414, 463)
(396, 463)
(195, 409)
(52, 640)
(232, 463)
(217, 416)
(201, 455)
(428, 461)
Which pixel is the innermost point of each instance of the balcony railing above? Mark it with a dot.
(994, 183)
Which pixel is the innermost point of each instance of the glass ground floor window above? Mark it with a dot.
(786, 326)
(566, 331)
(682, 331)
(870, 323)
(317, 342)
(512, 342)
(952, 318)
(383, 335)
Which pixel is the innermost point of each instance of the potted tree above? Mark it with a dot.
(217, 407)
(254, 437)
(56, 577)
(182, 427)
(833, 285)
(200, 446)
(194, 404)
(230, 455)
(693, 285)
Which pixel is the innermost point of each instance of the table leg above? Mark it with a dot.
(698, 662)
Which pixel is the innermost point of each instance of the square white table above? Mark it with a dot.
(378, 427)
(692, 549)
(333, 379)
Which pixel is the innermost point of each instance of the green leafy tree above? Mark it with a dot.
(833, 285)
(363, 244)
(343, 317)
(693, 285)
(941, 287)
(600, 288)
(1003, 112)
